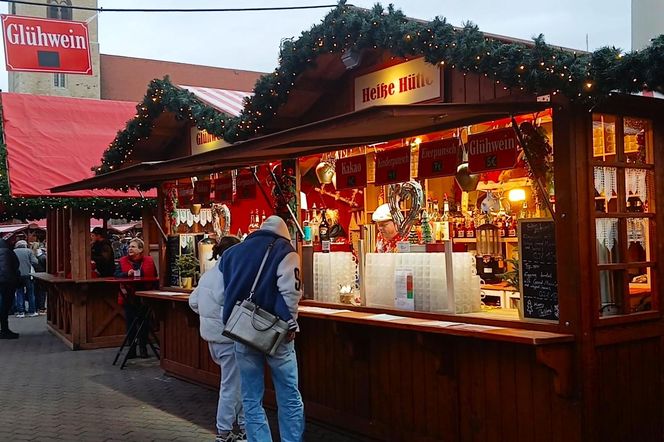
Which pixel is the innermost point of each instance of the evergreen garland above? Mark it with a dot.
(536, 69)
(34, 208)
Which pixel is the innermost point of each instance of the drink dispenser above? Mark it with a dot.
(489, 259)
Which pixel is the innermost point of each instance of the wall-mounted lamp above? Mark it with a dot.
(516, 195)
(351, 58)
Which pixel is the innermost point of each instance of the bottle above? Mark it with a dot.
(511, 229)
(262, 217)
(324, 227)
(460, 231)
(470, 231)
(445, 219)
(306, 228)
(253, 225)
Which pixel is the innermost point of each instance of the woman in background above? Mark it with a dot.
(135, 264)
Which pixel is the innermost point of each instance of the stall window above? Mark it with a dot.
(623, 216)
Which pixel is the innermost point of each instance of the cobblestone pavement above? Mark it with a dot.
(48, 392)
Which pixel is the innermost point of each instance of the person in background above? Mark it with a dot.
(278, 291)
(207, 300)
(9, 279)
(102, 253)
(135, 264)
(388, 235)
(40, 294)
(26, 286)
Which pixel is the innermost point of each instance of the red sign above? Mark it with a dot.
(41, 45)
(438, 158)
(495, 150)
(185, 194)
(393, 166)
(351, 172)
(202, 191)
(246, 186)
(223, 188)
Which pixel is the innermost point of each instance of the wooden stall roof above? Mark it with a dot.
(366, 126)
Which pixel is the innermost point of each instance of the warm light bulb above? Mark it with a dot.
(517, 195)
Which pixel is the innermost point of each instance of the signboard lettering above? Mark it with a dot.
(409, 82)
(223, 188)
(438, 158)
(202, 191)
(42, 45)
(246, 186)
(203, 141)
(185, 194)
(351, 172)
(494, 150)
(393, 166)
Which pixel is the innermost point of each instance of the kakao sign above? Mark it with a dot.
(41, 45)
(406, 83)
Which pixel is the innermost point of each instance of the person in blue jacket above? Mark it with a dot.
(278, 291)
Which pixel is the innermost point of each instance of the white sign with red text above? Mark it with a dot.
(406, 83)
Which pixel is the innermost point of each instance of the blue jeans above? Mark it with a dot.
(283, 366)
(229, 407)
(25, 288)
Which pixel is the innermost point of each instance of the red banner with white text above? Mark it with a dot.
(494, 150)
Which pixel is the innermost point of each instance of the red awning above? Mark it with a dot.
(56, 140)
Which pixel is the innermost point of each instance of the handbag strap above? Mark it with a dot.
(260, 270)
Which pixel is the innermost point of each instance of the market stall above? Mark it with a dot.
(522, 268)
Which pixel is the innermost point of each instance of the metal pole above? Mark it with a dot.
(290, 211)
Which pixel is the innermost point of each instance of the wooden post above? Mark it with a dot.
(80, 245)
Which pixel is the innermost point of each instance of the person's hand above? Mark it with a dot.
(290, 336)
(130, 272)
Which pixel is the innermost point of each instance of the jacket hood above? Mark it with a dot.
(276, 225)
(3, 244)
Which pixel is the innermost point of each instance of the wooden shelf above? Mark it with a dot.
(507, 239)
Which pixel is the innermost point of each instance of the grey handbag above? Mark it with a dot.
(252, 326)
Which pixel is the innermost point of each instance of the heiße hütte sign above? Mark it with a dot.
(494, 150)
(42, 45)
(405, 83)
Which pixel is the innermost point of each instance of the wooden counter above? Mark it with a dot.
(85, 313)
(394, 377)
(183, 353)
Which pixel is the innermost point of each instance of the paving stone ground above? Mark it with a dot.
(48, 392)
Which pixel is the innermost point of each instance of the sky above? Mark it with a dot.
(250, 40)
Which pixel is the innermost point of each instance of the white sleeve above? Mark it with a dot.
(289, 281)
(193, 300)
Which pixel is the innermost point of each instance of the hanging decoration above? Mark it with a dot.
(400, 193)
(221, 219)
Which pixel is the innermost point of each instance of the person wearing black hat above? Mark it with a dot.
(102, 253)
(8, 281)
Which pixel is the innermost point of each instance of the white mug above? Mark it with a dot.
(137, 273)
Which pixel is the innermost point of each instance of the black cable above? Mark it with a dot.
(85, 8)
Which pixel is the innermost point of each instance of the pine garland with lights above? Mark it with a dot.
(536, 69)
(34, 208)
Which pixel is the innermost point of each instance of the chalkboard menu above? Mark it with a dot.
(172, 253)
(537, 262)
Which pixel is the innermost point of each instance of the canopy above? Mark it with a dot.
(226, 101)
(371, 125)
(55, 140)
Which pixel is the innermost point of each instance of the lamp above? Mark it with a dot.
(351, 58)
(325, 172)
(517, 194)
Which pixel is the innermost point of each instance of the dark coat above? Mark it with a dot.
(8, 264)
(103, 257)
